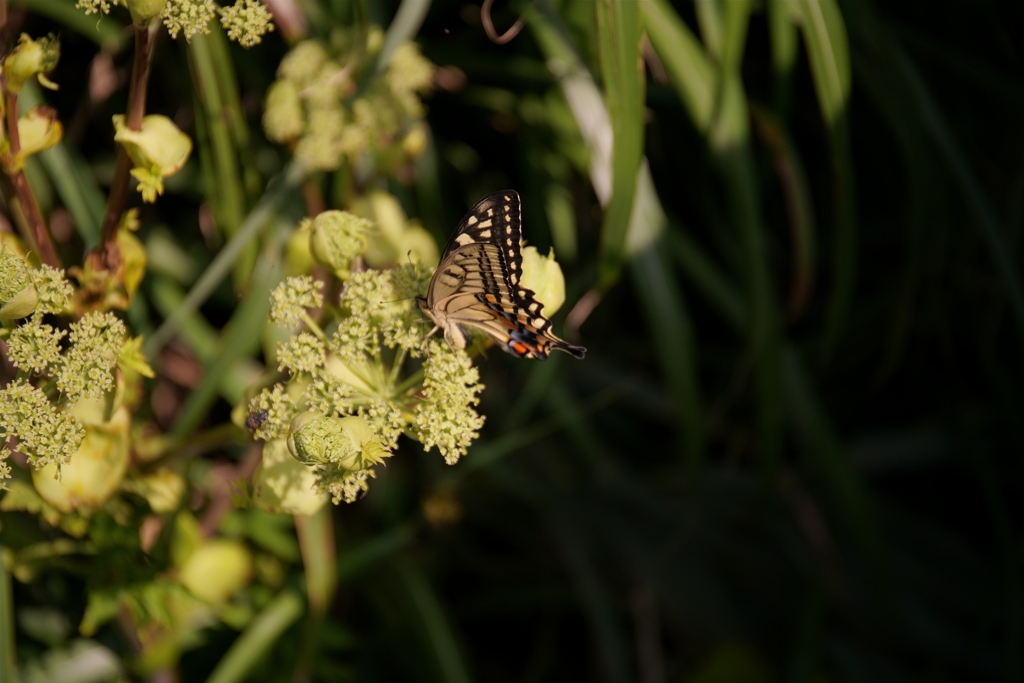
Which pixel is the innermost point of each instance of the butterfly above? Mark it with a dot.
(476, 286)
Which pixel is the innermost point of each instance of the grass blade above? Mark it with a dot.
(684, 58)
(222, 263)
(352, 561)
(254, 644)
(241, 337)
(825, 457)
(403, 27)
(676, 345)
(8, 669)
(828, 52)
(618, 28)
(436, 631)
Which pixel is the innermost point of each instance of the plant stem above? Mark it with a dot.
(35, 225)
(136, 110)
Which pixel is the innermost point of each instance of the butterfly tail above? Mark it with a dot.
(574, 351)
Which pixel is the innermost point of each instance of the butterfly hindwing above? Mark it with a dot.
(477, 284)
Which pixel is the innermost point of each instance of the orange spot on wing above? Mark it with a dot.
(491, 298)
(520, 348)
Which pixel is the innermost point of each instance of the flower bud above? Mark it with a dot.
(18, 296)
(337, 238)
(298, 257)
(145, 11)
(158, 150)
(347, 442)
(544, 276)
(38, 130)
(282, 484)
(418, 245)
(31, 58)
(95, 470)
(216, 570)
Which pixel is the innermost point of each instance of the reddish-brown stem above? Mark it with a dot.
(136, 110)
(29, 207)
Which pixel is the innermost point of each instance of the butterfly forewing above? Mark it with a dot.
(477, 283)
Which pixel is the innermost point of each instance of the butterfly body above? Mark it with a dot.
(477, 284)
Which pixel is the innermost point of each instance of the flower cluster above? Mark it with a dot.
(75, 367)
(357, 376)
(310, 107)
(245, 22)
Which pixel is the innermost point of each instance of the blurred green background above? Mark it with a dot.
(792, 452)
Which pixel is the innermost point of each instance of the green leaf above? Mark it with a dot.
(101, 607)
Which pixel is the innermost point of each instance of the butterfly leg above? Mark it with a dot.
(429, 335)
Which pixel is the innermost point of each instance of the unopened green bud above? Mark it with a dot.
(216, 570)
(337, 238)
(158, 150)
(38, 130)
(18, 296)
(418, 245)
(31, 58)
(544, 276)
(145, 11)
(298, 254)
(282, 484)
(346, 442)
(95, 470)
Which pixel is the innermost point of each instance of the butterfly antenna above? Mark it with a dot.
(395, 301)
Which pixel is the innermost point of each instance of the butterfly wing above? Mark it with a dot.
(477, 284)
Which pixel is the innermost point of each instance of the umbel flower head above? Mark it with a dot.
(246, 22)
(307, 107)
(158, 150)
(350, 394)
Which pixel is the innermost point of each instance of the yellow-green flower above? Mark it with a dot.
(31, 58)
(246, 22)
(189, 17)
(38, 130)
(447, 418)
(34, 346)
(158, 150)
(283, 117)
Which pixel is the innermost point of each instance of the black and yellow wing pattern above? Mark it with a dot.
(477, 284)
